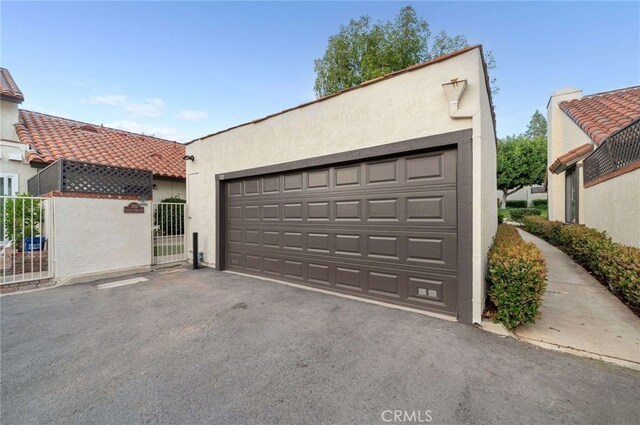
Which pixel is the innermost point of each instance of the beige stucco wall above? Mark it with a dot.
(523, 194)
(8, 117)
(94, 237)
(168, 189)
(405, 107)
(614, 206)
(563, 135)
(486, 171)
(12, 153)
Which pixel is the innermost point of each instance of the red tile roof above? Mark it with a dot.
(570, 158)
(52, 138)
(8, 87)
(600, 115)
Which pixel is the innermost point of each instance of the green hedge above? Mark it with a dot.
(517, 214)
(517, 204)
(615, 265)
(540, 203)
(517, 278)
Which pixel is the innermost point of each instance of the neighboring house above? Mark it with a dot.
(527, 193)
(384, 191)
(32, 140)
(594, 161)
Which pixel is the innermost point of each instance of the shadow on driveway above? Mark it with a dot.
(210, 347)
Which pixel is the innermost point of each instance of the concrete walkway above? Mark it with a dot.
(580, 315)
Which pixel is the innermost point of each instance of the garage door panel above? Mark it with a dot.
(435, 208)
(429, 250)
(383, 229)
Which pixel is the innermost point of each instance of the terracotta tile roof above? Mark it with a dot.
(8, 87)
(574, 155)
(376, 80)
(600, 115)
(52, 138)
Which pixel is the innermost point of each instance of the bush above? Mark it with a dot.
(615, 265)
(516, 204)
(169, 220)
(517, 278)
(517, 214)
(540, 203)
(22, 218)
(500, 217)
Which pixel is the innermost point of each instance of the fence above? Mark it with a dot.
(619, 151)
(25, 235)
(168, 232)
(74, 176)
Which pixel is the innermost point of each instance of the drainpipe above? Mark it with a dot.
(454, 89)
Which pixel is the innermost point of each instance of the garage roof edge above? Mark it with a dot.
(373, 81)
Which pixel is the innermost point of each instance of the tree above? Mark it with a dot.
(23, 217)
(522, 161)
(537, 126)
(363, 50)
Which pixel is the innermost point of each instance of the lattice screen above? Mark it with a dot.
(619, 150)
(73, 176)
(97, 178)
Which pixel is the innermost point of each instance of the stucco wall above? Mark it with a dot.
(94, 236)
(405, 107)
(563, 135)
(8, 117)
(488, 202)
(614, 206)
(12, 151)
(523, 194)
(168, 189)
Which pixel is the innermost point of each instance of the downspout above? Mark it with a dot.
(454, 89)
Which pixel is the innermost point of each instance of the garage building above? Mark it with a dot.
(385, 191)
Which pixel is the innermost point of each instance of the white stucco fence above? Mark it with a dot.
(94, 238)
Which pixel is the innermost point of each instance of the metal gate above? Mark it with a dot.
(168, 232)
(25, 238)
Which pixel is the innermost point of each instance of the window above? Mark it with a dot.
(8, 184)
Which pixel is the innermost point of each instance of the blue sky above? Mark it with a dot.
(182, 70)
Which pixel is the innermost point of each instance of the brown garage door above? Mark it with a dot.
(383, 229)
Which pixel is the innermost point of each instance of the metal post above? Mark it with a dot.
(195, 250)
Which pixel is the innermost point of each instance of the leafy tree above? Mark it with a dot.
(537, 126)
(363, 50)
(522, 162)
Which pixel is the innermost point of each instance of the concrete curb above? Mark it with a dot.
(581, 353)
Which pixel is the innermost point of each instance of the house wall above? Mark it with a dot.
(486, 171)
(523, 194)
(168, 189)
(404, 107)
(95, 238)
(12, 152)
(614, 206)
(563, 135)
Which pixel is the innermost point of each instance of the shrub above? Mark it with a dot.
(500, 217)
(517, 278)
(615, 265)
(540, 203)
(22, 218)
(170, 220)
(517, 214)
(517, 204)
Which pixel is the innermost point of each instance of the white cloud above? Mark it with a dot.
(163, 132)
(193, 116)
(151, 107)
(110, 99)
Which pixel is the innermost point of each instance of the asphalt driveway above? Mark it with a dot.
(209, 347)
